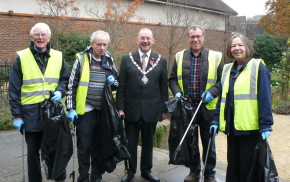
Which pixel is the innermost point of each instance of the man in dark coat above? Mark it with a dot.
(141, 95)
(92, 68)
(196, 72)
(36, 71)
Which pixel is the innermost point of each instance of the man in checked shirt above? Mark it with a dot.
(196, 73)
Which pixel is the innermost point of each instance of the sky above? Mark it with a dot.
(248, 8)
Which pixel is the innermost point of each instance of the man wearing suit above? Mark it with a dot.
(141, 95)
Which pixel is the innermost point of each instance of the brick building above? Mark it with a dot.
(17, 18)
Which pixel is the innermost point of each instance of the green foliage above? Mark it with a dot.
(4, 70)
(282, 107)
(72, 43)
(6, 119)
(268, 49)
(159, 132)
(158, 137)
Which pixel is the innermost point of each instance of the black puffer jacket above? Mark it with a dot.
(186, 71)
(31, 113)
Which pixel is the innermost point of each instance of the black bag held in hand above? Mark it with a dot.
(181, 110)
(263, 166)
(113, 145)
(56, 143)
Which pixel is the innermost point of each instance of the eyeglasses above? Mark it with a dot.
(145, 38)
(193, 37)
(40, 35)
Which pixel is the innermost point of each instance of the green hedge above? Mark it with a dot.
(282, 107)
(6, 119)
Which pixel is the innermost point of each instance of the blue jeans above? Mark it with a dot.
(203, 127)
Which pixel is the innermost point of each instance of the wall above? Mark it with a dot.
(151, 12)
(14, 34)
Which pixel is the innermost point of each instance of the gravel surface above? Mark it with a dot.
(279, 141)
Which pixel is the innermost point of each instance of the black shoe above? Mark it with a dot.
(83, 179)
(127, 177)
(150, 176)
(96, 179)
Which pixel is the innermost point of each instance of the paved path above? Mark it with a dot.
(11, 164)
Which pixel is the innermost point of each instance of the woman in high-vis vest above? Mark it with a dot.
(244, 110)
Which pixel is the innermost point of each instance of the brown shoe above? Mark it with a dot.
(209, 179)
(192, 177)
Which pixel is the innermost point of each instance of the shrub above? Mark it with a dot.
(158, 137)
(6, 119)
(159, 132)
(282, 107)
(72, 43)
(267, 48)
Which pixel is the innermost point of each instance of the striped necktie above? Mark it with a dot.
(144, 62)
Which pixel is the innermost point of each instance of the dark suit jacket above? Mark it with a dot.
(138, 99)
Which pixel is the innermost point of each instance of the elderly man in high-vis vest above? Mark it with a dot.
(37, 71)
(196, 73)
(92, 68)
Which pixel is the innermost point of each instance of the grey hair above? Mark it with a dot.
(196, 27)
(144, 30)
(99, 32)
(248, 46)
(43, 26)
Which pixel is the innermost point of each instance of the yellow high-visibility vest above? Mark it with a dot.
(82, 89)
(36, 86)
(214, 60)
(246, 115)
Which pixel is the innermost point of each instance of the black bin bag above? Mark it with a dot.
(181, 110)
(56, 143)
(113, 147)
(263, 167)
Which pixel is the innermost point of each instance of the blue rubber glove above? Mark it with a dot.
(178, 95)
(18, 124)
(111, 80)
(72, 115)
(208, 97)
(265, 135)
(57, 96)
(213, 127)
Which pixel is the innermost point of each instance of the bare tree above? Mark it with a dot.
(115, 19)
(60, 15)
(177, 20)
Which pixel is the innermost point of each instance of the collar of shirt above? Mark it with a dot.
(147, 57)
(38, 50)
(235, 71)
(199, 54)
(92, 58)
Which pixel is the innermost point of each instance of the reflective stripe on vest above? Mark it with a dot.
(36, 86)
(82, 90)
(245, 97)
(214, 60)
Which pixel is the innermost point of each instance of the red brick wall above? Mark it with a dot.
(14, 34)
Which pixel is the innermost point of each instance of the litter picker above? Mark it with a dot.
(185, 133)
(208, 147)
(126, 143)
(23, 136)
(73, 173)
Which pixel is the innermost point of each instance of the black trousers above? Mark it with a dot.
(147, 135)
(88, 142)
(33, 141)
(240, 155)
